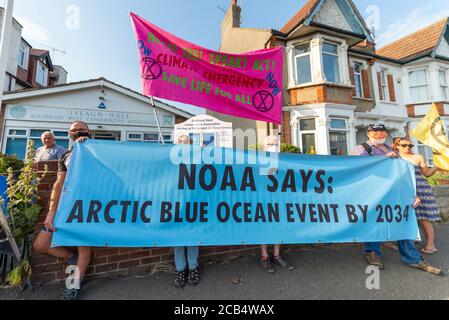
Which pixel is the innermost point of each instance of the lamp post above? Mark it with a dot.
(4, 44)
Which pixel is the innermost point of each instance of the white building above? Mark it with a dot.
(112, 112)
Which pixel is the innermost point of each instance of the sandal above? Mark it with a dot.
(180, 279)
(428, 268)
(428, 251)
(194, 277)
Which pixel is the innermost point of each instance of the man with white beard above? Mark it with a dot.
(377, 135)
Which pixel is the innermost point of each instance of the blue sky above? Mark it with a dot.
(104, 44)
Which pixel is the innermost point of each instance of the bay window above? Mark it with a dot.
(419, 85)
(303, 65)
(330, 62)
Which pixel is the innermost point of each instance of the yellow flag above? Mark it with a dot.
(430, 132)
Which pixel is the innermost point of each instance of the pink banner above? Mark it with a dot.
(243, 85)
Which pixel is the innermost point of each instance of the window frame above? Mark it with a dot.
(362, 93)
(29, 137)
(303, 132)
(142, 137)
(296, 56)
(427, 85)
(45, 69)
(26, 53)
(384, 85)
(337, 55)
(339, 130)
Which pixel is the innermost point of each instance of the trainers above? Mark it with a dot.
(266, 264)
(374, 260)
(180, 279)
(284, 263)
(428, 268)
(194, 277)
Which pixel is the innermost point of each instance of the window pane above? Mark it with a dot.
(15, 132)
(304, 48)
(16, 146)
(307, 124)
(358, 85)
(151, 137)
(61, 133)
(63, 143)
(37, 133)
(37, 143)
(357, 68)
(304, 70)
(330, 48)
(308, 142)
(331, 68)
(443, 81)
(338, 124)
(135, 136)
(418, 78)
(338, 143)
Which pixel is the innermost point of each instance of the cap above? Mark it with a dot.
(376, 127)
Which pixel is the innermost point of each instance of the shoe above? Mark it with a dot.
(428, 268)
(284, 263)
(71, 294)
(428, 251)
(374, 260)
(194, 277)
(266, 264)
(180, 279)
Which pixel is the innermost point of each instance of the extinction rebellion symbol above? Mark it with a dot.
(263, 101)
(151, 70)
(438, 133)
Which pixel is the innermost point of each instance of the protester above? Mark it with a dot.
(271, 144)
(427, 212)
(50, 150)
(376, 146)
(186, 258)
(80, 256)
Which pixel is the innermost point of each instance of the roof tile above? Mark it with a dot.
(420, 42)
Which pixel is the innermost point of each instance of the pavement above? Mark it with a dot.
(333, 272)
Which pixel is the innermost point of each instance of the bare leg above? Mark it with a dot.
(264, 251)
(429, 234)
(42, 244)
(84, 254)
(277, 250)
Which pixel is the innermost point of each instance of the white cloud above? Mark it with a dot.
(415, 20)
(33, 32)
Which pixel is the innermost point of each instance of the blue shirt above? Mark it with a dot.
(360, 150)
(55, 153)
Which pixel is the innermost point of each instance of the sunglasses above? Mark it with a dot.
(411, 146)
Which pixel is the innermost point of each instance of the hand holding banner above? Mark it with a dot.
(149, 196)
(243, 85)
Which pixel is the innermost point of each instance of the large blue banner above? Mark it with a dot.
(139, 195)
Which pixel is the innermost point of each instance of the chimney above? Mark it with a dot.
(232, 18)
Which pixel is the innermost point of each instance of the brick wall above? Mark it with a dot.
(112, 261)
